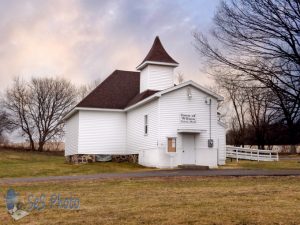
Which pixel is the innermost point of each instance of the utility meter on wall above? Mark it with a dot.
(210, 143)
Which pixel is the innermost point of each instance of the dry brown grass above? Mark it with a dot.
(249, 200)
(35, 164)
(247, 164)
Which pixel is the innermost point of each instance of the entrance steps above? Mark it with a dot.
(193, 167)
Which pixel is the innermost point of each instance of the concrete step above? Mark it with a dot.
(193, 167)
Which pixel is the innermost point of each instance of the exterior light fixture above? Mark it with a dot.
(189, 93)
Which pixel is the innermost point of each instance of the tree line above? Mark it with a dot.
(36, 108)
(253, 54)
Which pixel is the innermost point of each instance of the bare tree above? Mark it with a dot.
(5, 124)
(17, 104)
(84, 90)
(233, 135)
(37, 107)
(222, 107)
(260, 42)
(238, 99)
(261, 113)
(252, 107)
(4, 121)
(180, 77)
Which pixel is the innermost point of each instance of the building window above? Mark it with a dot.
(146, 129)
(171, 144)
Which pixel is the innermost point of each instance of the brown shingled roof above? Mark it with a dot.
(115, 92)
(141, 96)
(157, 53)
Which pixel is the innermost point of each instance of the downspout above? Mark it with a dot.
(210, 118)
(209, 141)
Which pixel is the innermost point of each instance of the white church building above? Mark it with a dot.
(143, 112)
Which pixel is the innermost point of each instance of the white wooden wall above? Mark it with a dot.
(221, 144)
(156, 77)
(96, 132)
(71, 142)
(171, 105)
(102, 132)
(137, 141)
(144, 79)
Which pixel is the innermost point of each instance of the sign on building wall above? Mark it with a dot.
(188, 118)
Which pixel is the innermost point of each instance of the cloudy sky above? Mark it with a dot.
(86, 40)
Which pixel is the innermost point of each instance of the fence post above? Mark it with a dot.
(277, 157)
(257, 155)
(237, 155)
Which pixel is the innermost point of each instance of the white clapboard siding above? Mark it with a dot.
(102, 132)
(144, 79)
(156, 77)
(72, 135)
(221, 144)
(137, 141)
(171, 105)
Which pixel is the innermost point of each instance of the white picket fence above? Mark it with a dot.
(251, 154)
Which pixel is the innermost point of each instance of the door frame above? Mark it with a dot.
(192, 162)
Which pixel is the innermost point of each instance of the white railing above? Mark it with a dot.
(251, 154)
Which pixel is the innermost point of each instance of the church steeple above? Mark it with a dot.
(157, 55)
(157, 69)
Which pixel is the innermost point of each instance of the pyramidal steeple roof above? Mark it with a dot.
(156, 55)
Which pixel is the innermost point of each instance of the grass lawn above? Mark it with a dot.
(238, 201)
(247, 164)
(30, 164)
